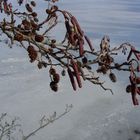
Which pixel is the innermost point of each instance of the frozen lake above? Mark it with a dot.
(25, 92)
(117, 18)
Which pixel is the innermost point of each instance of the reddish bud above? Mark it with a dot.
(77, 74)
(71, 76)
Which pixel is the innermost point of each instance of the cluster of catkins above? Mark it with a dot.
(55, 78)
(75, 34)
(29, 26)
(32, 53)
(74, 73)
(134, 87)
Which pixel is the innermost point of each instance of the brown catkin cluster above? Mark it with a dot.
(39, 38)
(18, 37)
(32, 53)
(74, 74)
(55, 79)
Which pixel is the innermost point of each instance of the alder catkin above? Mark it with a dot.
(71, 76)
(76, 72)
(32, 53)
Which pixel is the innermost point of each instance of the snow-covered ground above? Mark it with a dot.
(96, 114)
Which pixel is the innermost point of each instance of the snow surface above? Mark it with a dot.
(96, 114)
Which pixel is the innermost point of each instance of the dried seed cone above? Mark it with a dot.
(54, 86)
(18, 37)
(39, 38)
(56, 78)
(112, 77)
(32, 53)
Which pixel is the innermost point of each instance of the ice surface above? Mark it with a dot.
(96, 115)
